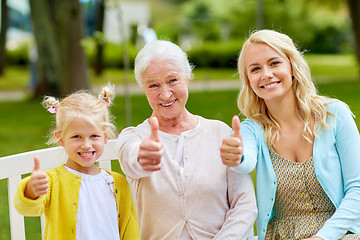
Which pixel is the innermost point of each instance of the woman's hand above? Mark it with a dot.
(151, 149)
(231, 150)
(38, 184)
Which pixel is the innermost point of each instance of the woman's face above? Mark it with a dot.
(269, 74)
(166, 88)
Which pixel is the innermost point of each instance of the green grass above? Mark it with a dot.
(14, 78)
(325, 68)
(332, 68)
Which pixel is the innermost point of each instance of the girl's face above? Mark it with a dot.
(84, 144)
(166, 88)
(269, 74)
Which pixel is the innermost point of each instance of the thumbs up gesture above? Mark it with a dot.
(231, 150)
(151, 149)
(38, 184)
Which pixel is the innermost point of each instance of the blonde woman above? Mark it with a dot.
(305, 147)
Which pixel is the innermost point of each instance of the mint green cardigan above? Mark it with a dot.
(336, 154)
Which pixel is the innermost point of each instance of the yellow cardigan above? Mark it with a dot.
(60, 205)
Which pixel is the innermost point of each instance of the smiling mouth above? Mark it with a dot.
(270, 85)
(86, 154)
(168, 104)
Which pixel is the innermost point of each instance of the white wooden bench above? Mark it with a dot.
(14, 166)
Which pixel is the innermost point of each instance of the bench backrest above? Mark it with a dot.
(13, 166)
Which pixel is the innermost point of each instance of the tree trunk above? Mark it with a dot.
(70, 26)
(48, 64)
(354, 7)
(4, 18)
(58, 28)
(99, 63)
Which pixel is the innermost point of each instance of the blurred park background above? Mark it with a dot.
(59, 46)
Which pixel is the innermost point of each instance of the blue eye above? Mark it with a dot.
(173, 80)
(153, 85)
(255, 69)
(275, 63)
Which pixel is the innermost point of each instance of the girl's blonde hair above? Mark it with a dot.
(309, 103)
(85, 106)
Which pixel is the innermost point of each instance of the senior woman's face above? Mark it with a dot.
(166, 88)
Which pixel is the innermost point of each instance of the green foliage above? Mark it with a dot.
(113, 54)
(222, 54)
(17, 56)
(317, 26)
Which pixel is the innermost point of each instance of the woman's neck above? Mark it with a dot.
(283, 111)
(179, 124)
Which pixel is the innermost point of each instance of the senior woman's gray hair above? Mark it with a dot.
(164, 50)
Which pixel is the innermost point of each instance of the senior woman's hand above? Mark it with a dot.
(151, 149)
(231, 150)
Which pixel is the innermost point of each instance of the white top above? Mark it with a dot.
(185, 235)
(97, 215)
(204, 195)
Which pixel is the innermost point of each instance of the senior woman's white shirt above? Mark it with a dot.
(213, 202)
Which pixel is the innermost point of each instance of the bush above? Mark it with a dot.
(18, 56)
(113, 55)
(216, 54)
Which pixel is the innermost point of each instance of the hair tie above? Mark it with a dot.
(53, 108)
(104, 100)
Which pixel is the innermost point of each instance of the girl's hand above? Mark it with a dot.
(231, 150)
(38, 184)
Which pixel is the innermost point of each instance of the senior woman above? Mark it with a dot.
(181, 188)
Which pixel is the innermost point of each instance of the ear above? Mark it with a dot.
(59, 140)
(106, 138)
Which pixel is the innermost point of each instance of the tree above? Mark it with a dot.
(99, 37)
(58, 28)
(354, 7)
(4, 17)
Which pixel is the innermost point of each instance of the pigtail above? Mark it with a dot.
(51, 103)
(107, 94)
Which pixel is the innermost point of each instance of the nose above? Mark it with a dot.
(267, 73)
(86, 144)
(165, 92)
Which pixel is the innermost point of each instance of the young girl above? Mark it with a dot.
(80, 200)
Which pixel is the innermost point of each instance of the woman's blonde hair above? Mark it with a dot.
(83, 105)
(309, 103)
